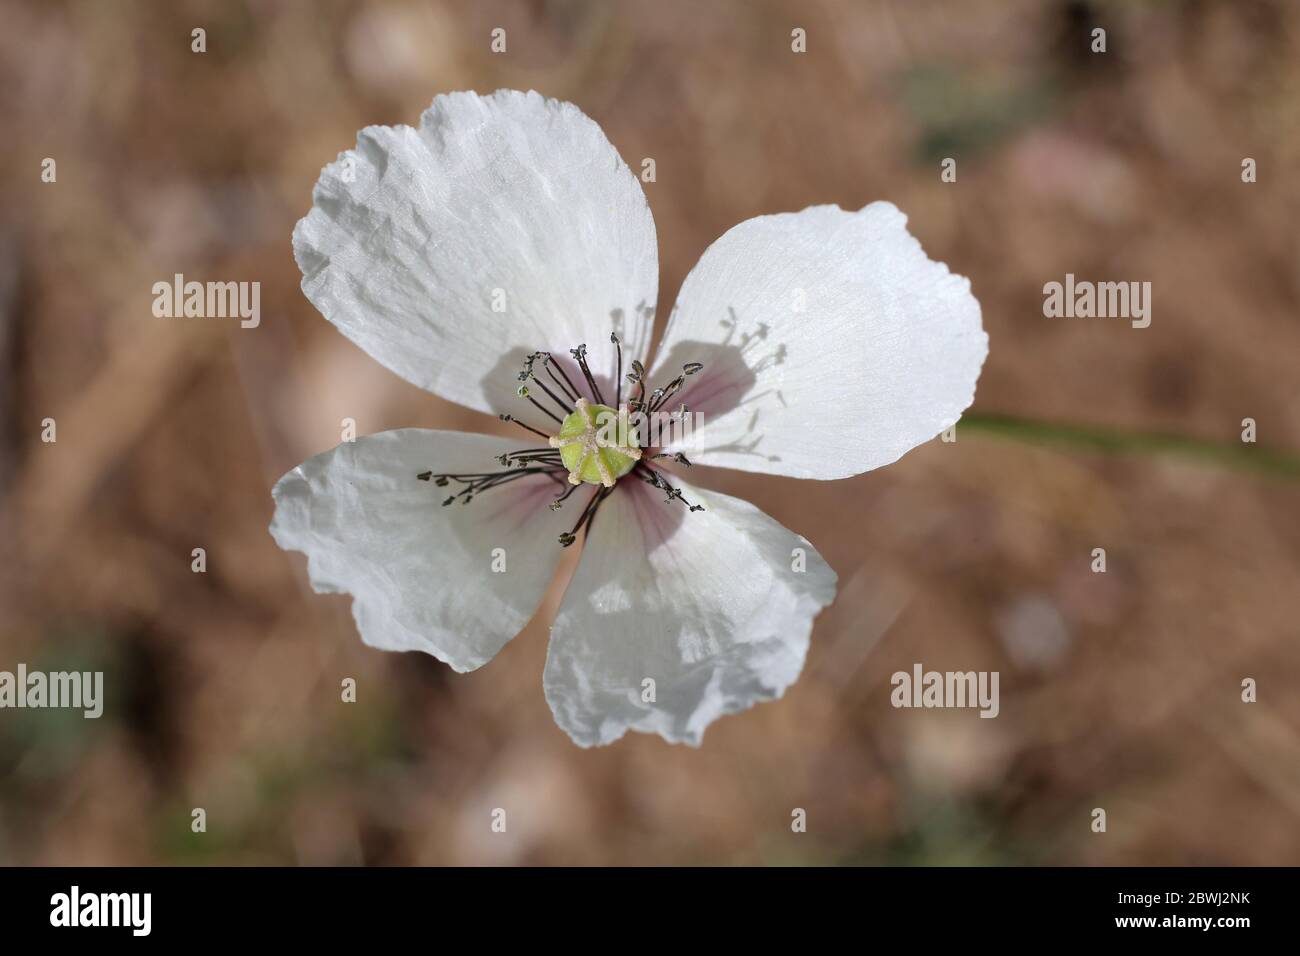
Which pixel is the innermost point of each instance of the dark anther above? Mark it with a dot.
(690, 368)
(424, 475)
(558, 502)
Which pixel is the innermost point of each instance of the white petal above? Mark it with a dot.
(416, 234)
(831, 344)
(422, 574)
(708, 605)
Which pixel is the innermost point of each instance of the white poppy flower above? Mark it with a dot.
(503, 256)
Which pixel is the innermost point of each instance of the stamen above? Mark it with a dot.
(523, 393)
(572, 389)
(555, 505)
(565, 386)
(527, 375)
(675, 386)
(674, 455)
(580, 353)
(637, 377)
(511, 418)
(589, 512)
(618, 374)
(530, 454)
(477, 483)
(652, 476)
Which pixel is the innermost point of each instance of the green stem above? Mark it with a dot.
(1241, 455)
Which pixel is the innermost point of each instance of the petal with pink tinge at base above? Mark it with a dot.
(422, 575)
(711, 606)
(831, 344)
(504, 225)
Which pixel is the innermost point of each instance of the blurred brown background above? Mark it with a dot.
(1119, 690)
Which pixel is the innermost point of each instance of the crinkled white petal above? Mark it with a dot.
(504, 225)
(831, 344)
(422, 575)
(710, 606)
